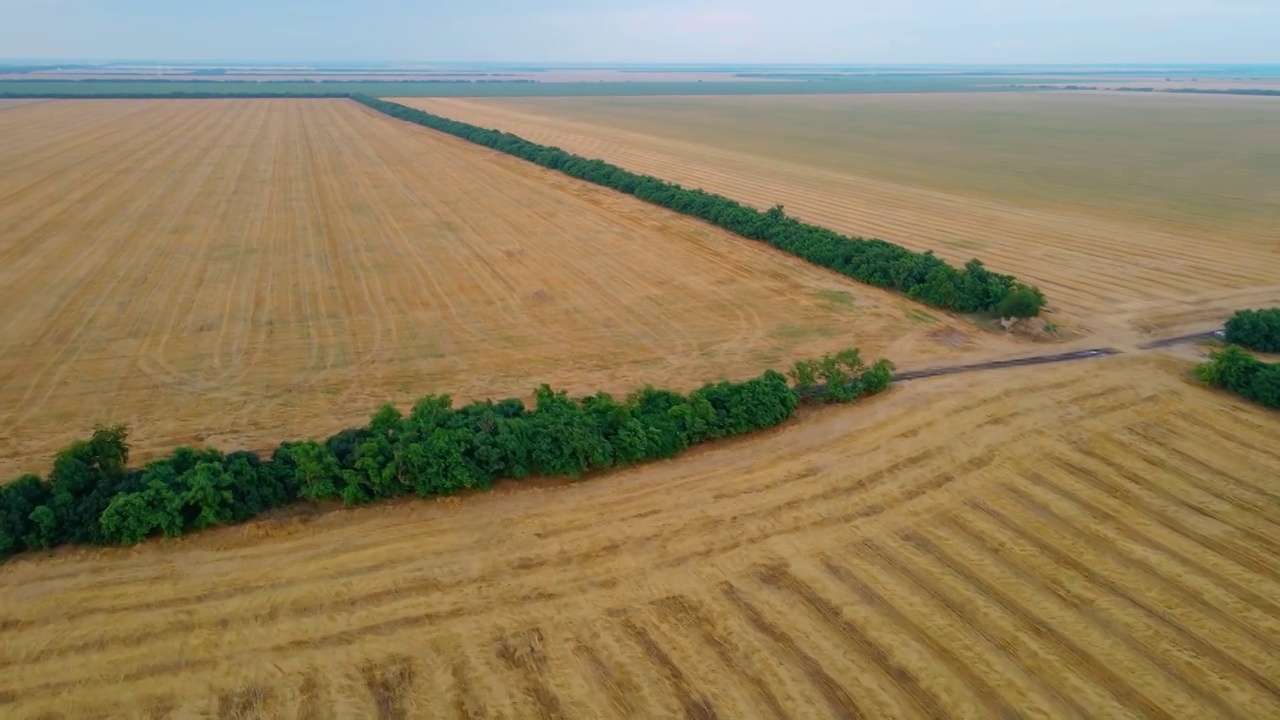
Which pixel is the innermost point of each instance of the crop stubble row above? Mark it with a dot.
(1093, 540)
(1095, 269)
(241, 272)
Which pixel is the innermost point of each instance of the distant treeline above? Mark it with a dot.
(1056, 87)
(921, 276)
(191, 78)
(176, 95)
(92, 496)
(1194, 91)
(24, 69)
(517, 87)
(1230, 91)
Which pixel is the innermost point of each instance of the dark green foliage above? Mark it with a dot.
(921, 276)
(85, 477)
(564, 438)
(1238, 371)
(316, 471)
(18, 500)
(877, 378)
(844, 377)
(45, 532)
(1022, 302)
(1255, 329)
(436, 449)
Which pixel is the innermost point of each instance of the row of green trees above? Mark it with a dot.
(1255, 329)
(921, 276)
(92, 496)
(1236, 370)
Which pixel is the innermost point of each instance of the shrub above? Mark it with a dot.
(1238, 371)
(844, 377)
(1255, 329)
(1021, 302)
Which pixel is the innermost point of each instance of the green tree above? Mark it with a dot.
(1255, 329)
(1231, 367)
(1022, 301)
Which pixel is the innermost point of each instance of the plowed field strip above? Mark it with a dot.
(912, 689)
(1157, 625)
(983, 691)
(1095, 652)
(998, 659)
(1131, 536)
(1182, 586)
(1158, 512)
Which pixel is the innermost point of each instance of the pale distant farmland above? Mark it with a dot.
(1130, 211)
(1088, 540)
(243, 272)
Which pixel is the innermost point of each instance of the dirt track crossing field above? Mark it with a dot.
(1093, 539)
(1133, 214)
(239, 272)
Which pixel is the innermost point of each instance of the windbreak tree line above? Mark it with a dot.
(1255, 329)
(91, 495)
(921, 276)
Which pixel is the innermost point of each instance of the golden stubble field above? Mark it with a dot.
(240, 272)
(1096, 539)
(1142, 214)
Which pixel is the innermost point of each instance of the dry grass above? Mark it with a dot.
(1088, 540)
(241, 272)
(1126, 210)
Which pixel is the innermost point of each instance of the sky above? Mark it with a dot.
(647, 31)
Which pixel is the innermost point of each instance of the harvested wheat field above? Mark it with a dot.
(10, 103)
(1121, 208)
(1094, 539)
(239, 272)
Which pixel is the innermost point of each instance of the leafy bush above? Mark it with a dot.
(921, 276)
(436, 449)
(1022, 302)
(844, 377)
(1255, 329)
(1238, 371)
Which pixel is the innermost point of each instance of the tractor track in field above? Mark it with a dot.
(999, 364)
(1089, 354)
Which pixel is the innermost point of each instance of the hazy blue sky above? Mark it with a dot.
(764, 31)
